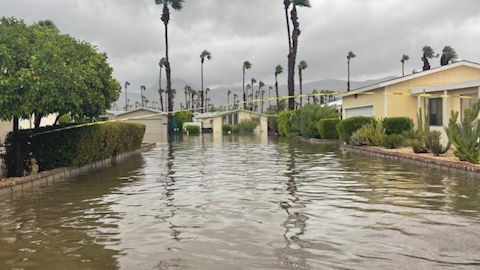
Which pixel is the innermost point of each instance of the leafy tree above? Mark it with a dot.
(350, 56)
(428, 53)
(293, 44)
(246, 65)
(161, 64)
(176, 5)
(404, 59)
(204, 55)
(301, 67)
(278, 71)
(448, 54)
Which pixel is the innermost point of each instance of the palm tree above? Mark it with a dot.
(293, 44)
(161, 64)
(270, 88)
(314, 96)
(229, 92)
(448, 54)
(262, 94)
(204, 55)
(278, 71)
(235, 98)
(246, 65)
(142, 89)
(206, 96)
(127, 83)
(186, 91)
(405, 58)
(260, 89)
(254, 81)
(428, 53)
(350, 56)
(301, 67)
(176, 5)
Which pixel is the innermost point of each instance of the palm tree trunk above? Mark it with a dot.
(300, 77)
(228, 102)
(202, 94)
(348, 79)
(38, 120)
(126, 98)
(160, 89)
(276, 92)
(287, 5)
(292, 57)
(244, 93)
(168, 71)
(403, 69)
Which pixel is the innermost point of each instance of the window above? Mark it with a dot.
(435, 111)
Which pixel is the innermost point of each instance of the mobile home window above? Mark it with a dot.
(435, 111)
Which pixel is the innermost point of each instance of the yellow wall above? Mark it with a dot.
(376, 99)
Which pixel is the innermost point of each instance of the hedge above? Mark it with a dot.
(245, 127)
(347, 127)
(285, 123)
(397, 125)
(327, 128)
(307, 117)
(192, 129)
(73, 147)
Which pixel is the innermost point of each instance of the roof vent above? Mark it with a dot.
(415, 71)
(456, 60)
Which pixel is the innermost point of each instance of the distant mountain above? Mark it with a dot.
(219, 95)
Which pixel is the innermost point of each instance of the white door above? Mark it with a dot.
(359, 111)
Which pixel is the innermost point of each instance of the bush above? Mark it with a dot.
(183, 117)
(393, 141)
(347, 127)
(307, 117)
(245, 127)
(465, 136)
(192, 129)
(285, 124)
(227, 128)
(75, 146)
(371, 134)
(397, 125)
(327, 128)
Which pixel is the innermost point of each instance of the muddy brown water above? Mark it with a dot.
(246, 203)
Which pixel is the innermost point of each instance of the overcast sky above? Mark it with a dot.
(378, 31)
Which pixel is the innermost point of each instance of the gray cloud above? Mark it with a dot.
(378, 31)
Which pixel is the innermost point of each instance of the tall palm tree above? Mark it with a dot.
(254, 81)
(246, 65)
(142, 89)
(161, 64)
(270, 88)
(204, 55)
(229, 92)
(206, 96)
(260, 89)
(405, 58)
(428, 53)
(127, 83)
(186, 91)
(176, 5)
(350, 56)
(301, 67)
(278, 71)
(448, 54)
(293, 44)
(235, 98)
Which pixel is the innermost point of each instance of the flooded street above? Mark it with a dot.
(247, 203)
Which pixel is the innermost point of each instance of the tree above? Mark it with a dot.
(204, 55)
(301, 67)
(448, 54)
(278, 71)
(350, 56)
(229, 92)
(142, 89)
(270, 88)
(246, 65)
(176, 5)
(405, 58)
(254, 81)
(235, 100)
(293, 44)
(428, 53)
(127, 84)
(161, 64)
(206, 96)
(186, 91)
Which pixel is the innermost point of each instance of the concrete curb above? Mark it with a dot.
(453, 166)
(47, 178)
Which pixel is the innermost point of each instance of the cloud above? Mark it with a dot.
(378, 31)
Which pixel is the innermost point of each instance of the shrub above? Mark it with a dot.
(393, 141)
(465, 136)
(75, 146)
(433, 143)
(327, 128)
(285, 124)
(307, 117)
(418, 146)
(65, 119)
(183, 117)
(245, 127)
(227, 128)
(397, 125)
(371, 134)
(347, 127)
(192, 129)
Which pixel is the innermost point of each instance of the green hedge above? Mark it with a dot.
(327, 128)
(245, 127)
(73, 147)
(307, 117)
(192, 129)
(347, 127)
(285, 123)
(183, 117)
(397, 125)
(227, 128)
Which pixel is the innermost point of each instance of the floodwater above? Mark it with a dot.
(246, 203)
